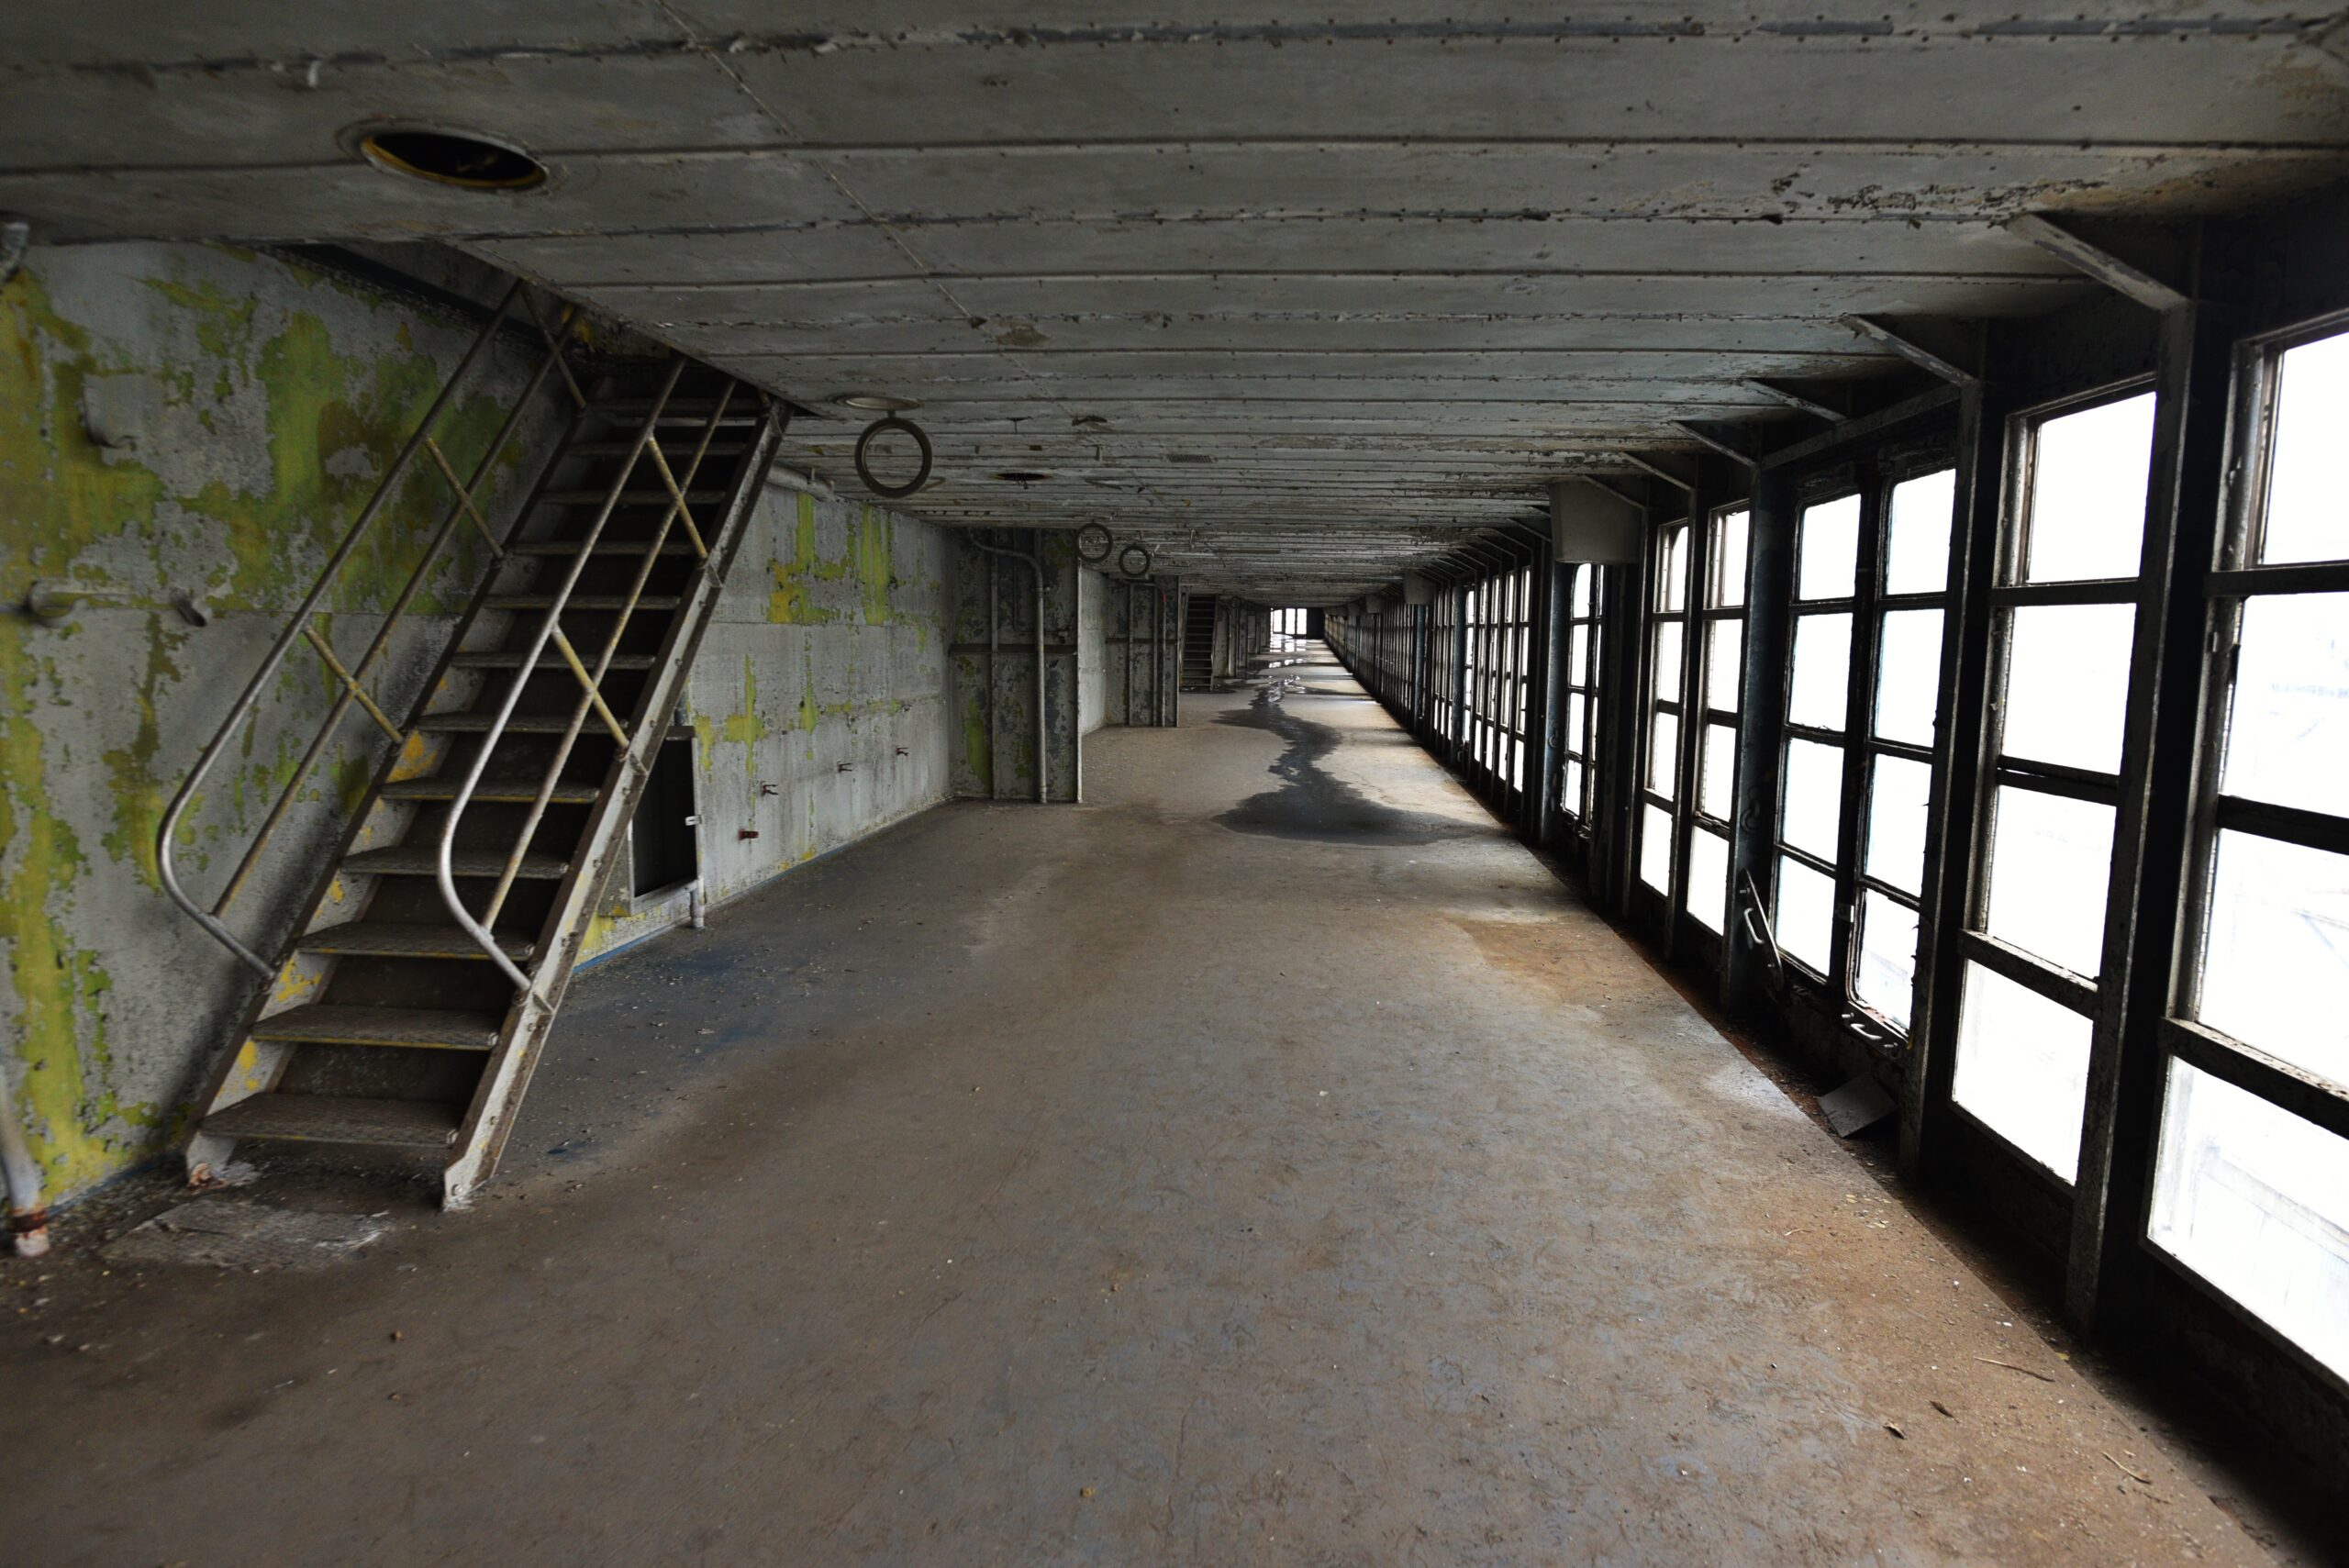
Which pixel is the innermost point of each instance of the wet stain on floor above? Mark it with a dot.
(1310, 802)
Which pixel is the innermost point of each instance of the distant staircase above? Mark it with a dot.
(1198, 642)
(431, 950)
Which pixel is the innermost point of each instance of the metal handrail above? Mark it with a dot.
(550, 631)
(300, 626)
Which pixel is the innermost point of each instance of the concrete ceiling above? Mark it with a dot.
(1295, 301)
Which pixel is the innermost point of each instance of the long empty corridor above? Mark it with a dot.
(1268, 1162)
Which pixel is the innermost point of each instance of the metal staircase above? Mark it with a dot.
(409, 1005)
(1198, 642)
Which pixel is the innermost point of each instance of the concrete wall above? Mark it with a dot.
(829, 647)
(1092, 652)
(188, 420)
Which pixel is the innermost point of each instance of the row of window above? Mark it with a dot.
(2249, 1195)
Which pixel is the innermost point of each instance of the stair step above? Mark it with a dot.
(367, 938)
(505, 792)
(405, 862)
(498, 659)
(338, 1118)
(520, 724)
(663, 602)
(627, 498)
(426, 1027)
(566, 547)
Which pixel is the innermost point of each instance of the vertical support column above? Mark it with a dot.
(2194, 373)
(1763, 707)
(1961, 734)
(1623, 629)
(1707, 492)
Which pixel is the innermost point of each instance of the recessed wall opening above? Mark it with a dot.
(453, 158)
(664, 848)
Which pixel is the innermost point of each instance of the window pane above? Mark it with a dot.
(2067, 684)
(2308, 514)
(2022, 1067)
(1716, 773)
(1663, 754)
(1578, 656)
(1897, 800)
(2288, 738)
(1886, 979)
(1822, 688)
(1814, 808)
(1571, 796)
(2088, 492)
(2275, 962)
(1708, 893)
(2050, 860)
(1828, 549)
(1672, 570)
(1909, 676)
(1655, 848)
(1667, 675)
(1805, 923)
(1581, 600)
(1723, 670)
(1577, 719)
(1728, 558)
(1916, 540)
(2256, 1200)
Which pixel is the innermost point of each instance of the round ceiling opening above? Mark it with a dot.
(453, 158)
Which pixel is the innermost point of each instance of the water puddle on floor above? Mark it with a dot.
(1310, 803)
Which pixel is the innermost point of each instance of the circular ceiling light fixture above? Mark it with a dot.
(875, 402)
(466, 160)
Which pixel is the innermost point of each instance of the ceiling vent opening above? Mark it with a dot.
(452, 158)
(877, 401)
(1021, 475)
(1188, 457)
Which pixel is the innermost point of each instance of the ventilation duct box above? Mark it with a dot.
(1418, 590)
(1593, 526)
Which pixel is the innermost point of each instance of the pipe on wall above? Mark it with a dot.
(1034, 563)
(28, 1212)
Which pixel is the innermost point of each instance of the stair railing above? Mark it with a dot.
(550, 632)
(302, 625)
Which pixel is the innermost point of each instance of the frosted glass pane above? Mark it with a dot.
(2023, 1068)
(1729, 536)
(1570, 796)
(1716, 773)
(2067, 684)
(1814, 809)
(1898, 796)
(2088, 492)
(1672, 570)
(1655, 848)
(1885, 976)
(2308, 510)
(2275, 962)
(2256, 1201)
(1723, 667)
(1828, 549)
(1578, 656)
(1664, 755)
(1821, 686)
(2287, 738)
(1916, 540)
(1577, 720)
(1909, 676)
(2051, 859)
(1708, 893)
(1804, 920)
(1665, 672)
(1585, 577)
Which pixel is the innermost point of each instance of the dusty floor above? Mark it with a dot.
(1266, 1163)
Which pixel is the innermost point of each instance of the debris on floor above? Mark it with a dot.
(1857, 1106)
(229, 1235)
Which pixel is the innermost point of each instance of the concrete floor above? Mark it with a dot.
(1266, 1163)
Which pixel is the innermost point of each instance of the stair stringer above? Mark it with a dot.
(489, 1119)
